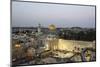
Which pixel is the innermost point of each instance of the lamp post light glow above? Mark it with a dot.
(17, 46)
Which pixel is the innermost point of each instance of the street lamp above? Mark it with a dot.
(17, 46)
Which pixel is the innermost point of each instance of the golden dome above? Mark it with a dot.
(52, 27)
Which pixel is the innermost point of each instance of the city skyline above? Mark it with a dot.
(25, 14)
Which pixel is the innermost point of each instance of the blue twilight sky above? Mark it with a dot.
(29, 14)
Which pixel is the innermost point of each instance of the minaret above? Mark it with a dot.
(39, 28)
